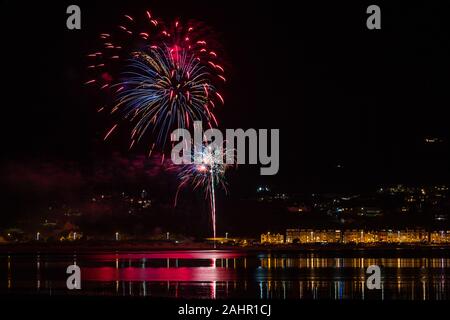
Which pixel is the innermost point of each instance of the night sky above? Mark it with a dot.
(353, 105)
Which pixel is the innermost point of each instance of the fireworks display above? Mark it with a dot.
(162, 77)
(206, 172)
(159, 76)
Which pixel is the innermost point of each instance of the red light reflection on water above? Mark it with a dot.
(205, 254)
(210, 273)
(203, 274)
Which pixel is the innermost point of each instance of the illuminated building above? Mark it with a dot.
(272, 238)
(440, 236)
(312, 236)
(356, 236)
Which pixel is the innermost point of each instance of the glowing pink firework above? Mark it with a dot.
(160, 76)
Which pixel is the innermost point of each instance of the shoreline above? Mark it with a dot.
(87, 247)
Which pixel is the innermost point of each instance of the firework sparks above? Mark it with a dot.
(164, 89)
(207, 172)
(160, 76)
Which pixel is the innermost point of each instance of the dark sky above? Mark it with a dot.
(339, 93)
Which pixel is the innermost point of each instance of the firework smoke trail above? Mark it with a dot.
(213, 206)
(160, 76)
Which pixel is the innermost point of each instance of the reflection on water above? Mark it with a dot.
(228, 274)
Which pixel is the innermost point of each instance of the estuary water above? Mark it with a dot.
(219, 274)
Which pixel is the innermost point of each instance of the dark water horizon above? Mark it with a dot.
(232, 274)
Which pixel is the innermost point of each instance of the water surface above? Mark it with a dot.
(221, 274)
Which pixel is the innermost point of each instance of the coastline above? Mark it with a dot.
(86, 247)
